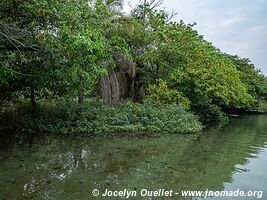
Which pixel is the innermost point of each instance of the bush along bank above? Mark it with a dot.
(130, 118)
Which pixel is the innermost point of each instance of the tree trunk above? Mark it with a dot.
(114, 86)
(118, 83)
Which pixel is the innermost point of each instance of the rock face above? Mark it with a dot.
(118, 83)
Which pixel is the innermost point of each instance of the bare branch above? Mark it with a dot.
(155, 3)
(171, 16)
(11, 33)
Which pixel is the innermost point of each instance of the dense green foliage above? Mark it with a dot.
(162, 93)
(210, 114)
(197, 68)
(65, 48)
(127, 117)
(61, 49)
(255, 82)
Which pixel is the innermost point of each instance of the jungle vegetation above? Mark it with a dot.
(84, 66)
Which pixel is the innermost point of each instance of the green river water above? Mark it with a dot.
(69, 168)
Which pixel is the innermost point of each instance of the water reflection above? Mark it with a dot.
(51, 167)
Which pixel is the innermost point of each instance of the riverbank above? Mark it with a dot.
(93, 117)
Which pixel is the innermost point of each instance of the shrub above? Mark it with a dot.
(210, 114)
(162, 93)
(260, 106)
(125, 117)
(146, 117)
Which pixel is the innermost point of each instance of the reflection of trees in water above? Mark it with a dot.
(51, 166)
(209, 161)
(203, 163)
(47, 168)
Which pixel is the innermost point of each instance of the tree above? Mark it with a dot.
(113, 5)
(254, 80)
(189, 64)
(20, 60)
(64, 51)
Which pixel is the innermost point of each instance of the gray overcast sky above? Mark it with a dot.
(234, 26)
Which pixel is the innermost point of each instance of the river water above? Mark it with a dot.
(69, 168)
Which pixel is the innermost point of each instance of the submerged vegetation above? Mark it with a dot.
(141, 73)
